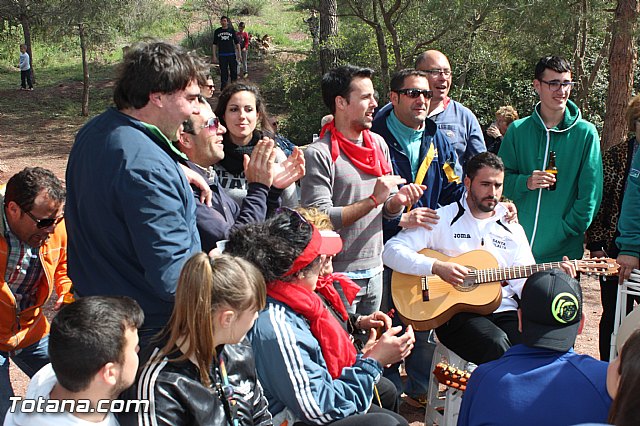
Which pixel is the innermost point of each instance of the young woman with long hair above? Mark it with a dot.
(201, 371)
(243, 112)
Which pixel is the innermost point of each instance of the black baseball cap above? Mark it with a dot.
(551, 305)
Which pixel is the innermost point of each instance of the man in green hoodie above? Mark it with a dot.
(555, 210)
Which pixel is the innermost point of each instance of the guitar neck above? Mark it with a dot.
(501, 274)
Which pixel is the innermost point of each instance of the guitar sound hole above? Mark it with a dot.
(468, 284)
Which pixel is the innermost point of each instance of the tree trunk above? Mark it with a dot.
(383, 51)
(328, 34)
(622, 61)
(26, 29)
(85, 71)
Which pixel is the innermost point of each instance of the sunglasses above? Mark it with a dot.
(212, 124)
(44, 223)
(415, 93)
(211, 86)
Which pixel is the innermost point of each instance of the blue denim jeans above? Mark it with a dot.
(368, 299)
(418, 363)
(29, 360)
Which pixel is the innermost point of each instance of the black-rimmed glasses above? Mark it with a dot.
(555, 85)
(44, 223)
(415, 93)
(437, 71)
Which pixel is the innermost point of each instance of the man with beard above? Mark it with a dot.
(349, 178)
(94, 357)
(476, 222)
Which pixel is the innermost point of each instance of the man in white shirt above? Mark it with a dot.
(477, 222)
(93, 347)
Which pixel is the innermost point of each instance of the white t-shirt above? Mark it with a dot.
(40, 387)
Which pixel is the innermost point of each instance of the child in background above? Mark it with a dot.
(25, 68)
(243, 42)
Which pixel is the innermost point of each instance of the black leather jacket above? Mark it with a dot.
(180, 399)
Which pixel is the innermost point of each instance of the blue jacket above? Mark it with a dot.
(440, 192)
(130, 214)
(534, 386)
(294, 374)
(215, 223)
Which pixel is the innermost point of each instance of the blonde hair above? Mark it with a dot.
(204, 286)
(317, 218)
(507, 112)
(633, 112)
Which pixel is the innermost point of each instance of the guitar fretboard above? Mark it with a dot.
(500, 274)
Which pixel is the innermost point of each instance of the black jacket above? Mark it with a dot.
(180, 399)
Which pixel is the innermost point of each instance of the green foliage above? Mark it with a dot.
(294, 88)
(250, 7)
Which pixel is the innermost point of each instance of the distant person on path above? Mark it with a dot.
(25, 69)
(33, 258)
(243, 42)
(505, 115)
(225, 51)
(130, 211)
(555, 213)
(94, 357)
(542, 381)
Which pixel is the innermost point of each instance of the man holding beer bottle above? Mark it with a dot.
(555, 209)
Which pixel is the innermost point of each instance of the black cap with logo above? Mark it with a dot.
(551, 305)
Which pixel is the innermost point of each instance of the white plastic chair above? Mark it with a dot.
(630, 287)
(443, 410)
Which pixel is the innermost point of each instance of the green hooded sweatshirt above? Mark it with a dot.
(554, 221)
(629, 240)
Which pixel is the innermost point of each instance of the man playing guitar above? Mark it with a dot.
(477, 222)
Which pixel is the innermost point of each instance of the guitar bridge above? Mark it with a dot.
(425, 289)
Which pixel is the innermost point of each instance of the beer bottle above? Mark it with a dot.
(551, 168)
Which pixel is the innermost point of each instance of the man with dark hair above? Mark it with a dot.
(476, 222)
(542, 381)
(225, 51)
(33, 260)
(130, 210)
(94, 357)
(420, 153)
(555, 209)
(201, 141)
(349, 178)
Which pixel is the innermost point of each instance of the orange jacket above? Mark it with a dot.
(26, 328)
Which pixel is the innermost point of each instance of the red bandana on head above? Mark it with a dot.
(368, 158)
(337, 349)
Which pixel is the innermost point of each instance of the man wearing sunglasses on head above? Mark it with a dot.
(201, 141)
(555, 209)
(33, 260)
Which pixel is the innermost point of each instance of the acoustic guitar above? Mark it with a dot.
(427, 302)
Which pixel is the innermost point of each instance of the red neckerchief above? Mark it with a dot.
(368, 157)
(325, 288)
(337, 349)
